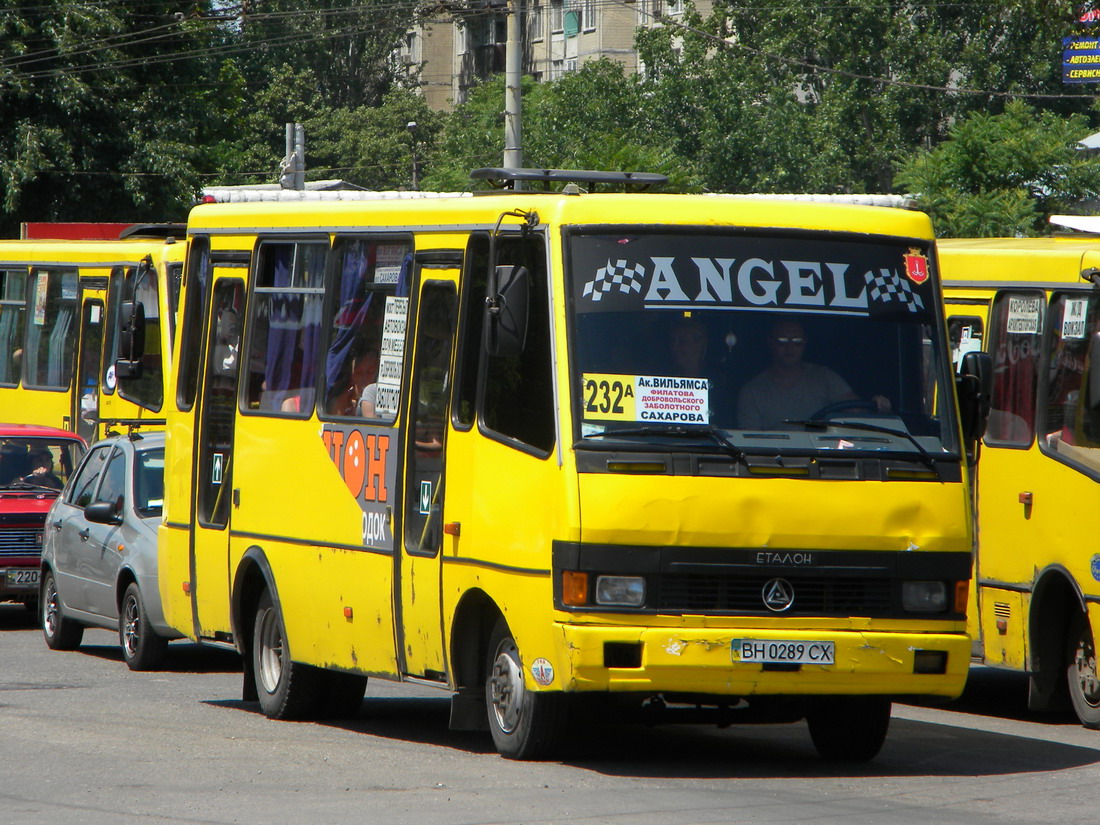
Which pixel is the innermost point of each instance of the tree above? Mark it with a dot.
(594, 118)
(789, 95)
(1004, 174)
(98, 115)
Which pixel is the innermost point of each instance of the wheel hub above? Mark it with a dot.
(506, 687)
(270, 641)
(130, 628)
(1085, 663)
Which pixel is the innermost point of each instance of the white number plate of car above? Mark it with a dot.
(22, 578)
(778, 652)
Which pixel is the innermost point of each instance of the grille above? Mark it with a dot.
(20, 541)
(698, 593)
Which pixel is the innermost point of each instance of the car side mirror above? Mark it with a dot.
(102, 512)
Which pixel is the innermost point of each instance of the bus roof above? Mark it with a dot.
(428, 212)
(126, 251)
(1036, 262)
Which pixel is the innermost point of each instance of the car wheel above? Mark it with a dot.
(286, 689)
(60, 633)
(849, 728)
(524, 724)
(142, 648)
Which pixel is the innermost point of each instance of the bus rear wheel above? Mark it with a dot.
(849, 728)
(286, 689)
(524, 724)
(1081, 675)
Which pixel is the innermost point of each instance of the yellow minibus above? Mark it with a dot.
(59, 342)
(1033, 305)
(683, 454)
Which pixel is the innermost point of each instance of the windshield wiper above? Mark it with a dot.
(823, 424)
(713, 433)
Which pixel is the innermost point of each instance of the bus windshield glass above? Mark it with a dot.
(759, 343)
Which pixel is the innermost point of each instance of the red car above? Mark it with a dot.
(35, 463)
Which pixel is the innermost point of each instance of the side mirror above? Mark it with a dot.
(507, 308)
(102, 512)
(131, 339)
(974, 385)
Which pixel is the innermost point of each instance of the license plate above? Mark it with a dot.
(22, 578)
(772, 652)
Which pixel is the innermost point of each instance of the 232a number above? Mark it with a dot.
(604, 396)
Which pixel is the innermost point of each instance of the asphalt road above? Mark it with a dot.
(84, 740)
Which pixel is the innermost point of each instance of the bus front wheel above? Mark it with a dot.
(849, 728)
(525, 724)
(286, 689)
(1081, 675)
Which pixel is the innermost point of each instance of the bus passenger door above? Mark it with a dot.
(85, 399)
(421, 634)
(214, 460)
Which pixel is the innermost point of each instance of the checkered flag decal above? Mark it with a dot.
(886, 287)
(620, 275)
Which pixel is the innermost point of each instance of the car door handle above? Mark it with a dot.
(84, 534)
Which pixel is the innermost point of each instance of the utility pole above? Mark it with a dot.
(513, 64)
(292, 175)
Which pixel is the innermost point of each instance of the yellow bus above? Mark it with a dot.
(59, 320)
(1033, 304)
(491, 444)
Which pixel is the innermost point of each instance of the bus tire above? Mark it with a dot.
(286, 689)
(524, 724)
(848, 728)
(60, 633)
(1081, 675)
(142, 648)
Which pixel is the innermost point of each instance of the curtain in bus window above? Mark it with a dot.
(1016, 325)
(354, 299)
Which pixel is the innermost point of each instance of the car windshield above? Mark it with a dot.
(801, 344)
(37, 463)
(149, 482)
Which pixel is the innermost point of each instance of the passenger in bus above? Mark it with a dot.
(789, 388)
(41, 472)
(361, 373)
(687, 346)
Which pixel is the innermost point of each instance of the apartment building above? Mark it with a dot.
(459, 44)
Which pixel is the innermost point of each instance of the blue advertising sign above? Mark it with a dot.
(1080, 60)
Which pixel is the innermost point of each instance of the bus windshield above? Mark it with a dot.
(761, 343)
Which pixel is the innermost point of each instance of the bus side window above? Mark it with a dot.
(517, 395)
(51, 328)
(965, 334)
(199, 273)
(285, 332)
(13, 298)
(1072, 398)
(1015, 325)
(362, 364)
(471, 331)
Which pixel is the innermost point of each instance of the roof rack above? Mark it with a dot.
(506, 177)
(154, 230)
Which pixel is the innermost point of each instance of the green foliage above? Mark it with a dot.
(594, 118)
(104, 131)
(1004, 174)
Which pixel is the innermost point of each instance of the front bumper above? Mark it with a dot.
(700, 661)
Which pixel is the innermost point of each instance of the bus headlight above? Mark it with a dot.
(622, 591)
(924, 597)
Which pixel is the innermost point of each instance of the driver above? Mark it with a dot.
(790, 388)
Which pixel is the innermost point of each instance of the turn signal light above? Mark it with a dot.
(962, 596)
(574, 588)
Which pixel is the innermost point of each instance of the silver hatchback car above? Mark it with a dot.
(99, 555)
